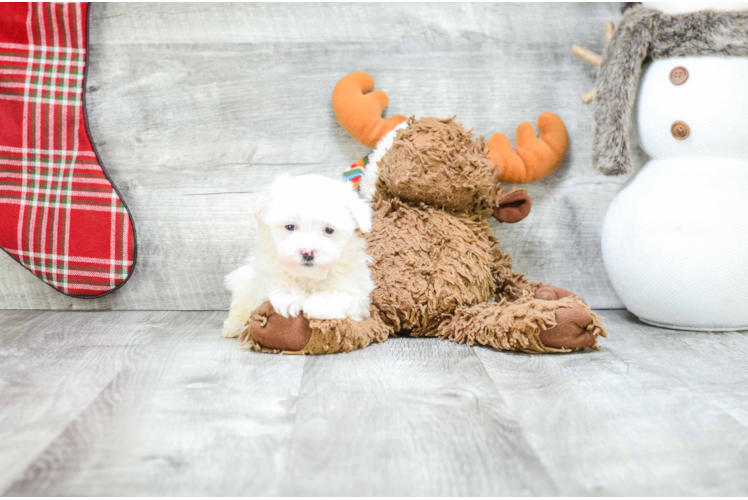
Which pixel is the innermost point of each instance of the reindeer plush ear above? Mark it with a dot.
(512, 206)
(359, 110)
(261, 205)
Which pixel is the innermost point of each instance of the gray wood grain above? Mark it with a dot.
(408, 417)
(156, 403)
(194, 415)
(195, 107)
(655, 412)
(53, 365)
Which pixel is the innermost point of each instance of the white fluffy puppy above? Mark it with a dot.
(309, 256)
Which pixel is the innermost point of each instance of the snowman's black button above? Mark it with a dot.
(680, 130)
(679, 75)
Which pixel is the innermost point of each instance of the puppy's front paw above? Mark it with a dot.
(325, 306)
(288, 305)
(232, 327)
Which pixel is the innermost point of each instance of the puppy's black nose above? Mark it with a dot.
(307, 255)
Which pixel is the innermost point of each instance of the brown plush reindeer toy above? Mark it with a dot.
(438, 271)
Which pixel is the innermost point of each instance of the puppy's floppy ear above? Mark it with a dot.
(264, 199)
(262, 205)
(360, 210)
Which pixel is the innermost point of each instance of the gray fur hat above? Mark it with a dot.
(646, 34)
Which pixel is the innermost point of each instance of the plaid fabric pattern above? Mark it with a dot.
(60, 216)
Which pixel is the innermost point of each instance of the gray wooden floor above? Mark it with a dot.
(135, 403)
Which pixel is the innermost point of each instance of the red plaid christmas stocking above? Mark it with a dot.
(60, 215)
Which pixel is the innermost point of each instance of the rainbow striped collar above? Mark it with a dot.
(356, 172)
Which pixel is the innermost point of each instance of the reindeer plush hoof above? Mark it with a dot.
(574, 323)
(574, 328)
(272, 331)
(550, 292)
(268, 331)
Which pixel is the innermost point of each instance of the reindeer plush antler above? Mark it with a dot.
(359, 111)
(533, 157)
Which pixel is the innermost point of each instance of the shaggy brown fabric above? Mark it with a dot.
(516, 326)
(346, 335)
(426, 263)
(509, 285)
(435, 264)
(520, 325)
(439, 163)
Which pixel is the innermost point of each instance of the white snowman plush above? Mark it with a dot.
(675, 239)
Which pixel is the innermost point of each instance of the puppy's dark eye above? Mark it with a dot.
(291, 227)
(329, 230)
